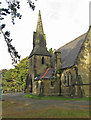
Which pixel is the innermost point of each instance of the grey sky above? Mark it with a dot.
(63, 21)
(90, 13)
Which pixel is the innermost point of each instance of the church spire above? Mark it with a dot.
(39, 40)
(39, 28)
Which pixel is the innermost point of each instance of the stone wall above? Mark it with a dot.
(48, 89)
(57, 60)
(84, 65)
(80, 74)
(40, 68)
(36, 67)
(68, 79)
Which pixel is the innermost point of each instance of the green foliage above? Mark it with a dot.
(53, 80)
(15, 79)
(8, 75)
(32, 96)
(3, 71)
(51, 51)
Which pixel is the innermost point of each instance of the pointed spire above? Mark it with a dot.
(39, 28)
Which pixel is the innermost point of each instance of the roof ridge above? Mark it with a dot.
(45, 73)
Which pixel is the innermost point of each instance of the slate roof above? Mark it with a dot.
(70, 51)
(69, 54)
(47, 74)
(40, 51)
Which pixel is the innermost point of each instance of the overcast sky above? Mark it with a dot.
(63, 21)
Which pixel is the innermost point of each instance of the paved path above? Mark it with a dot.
(38, 104)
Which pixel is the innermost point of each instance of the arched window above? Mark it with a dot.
(42, 60)
(67, 79)
(64, 79)
(70, 78)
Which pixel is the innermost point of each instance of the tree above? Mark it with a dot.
(3, 71)
(22, 69)
(12, 9)
(51, 51)
(15, 79)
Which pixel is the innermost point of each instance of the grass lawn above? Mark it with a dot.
(50, 114)
(56, 98)
(59, 113)
(17, 110)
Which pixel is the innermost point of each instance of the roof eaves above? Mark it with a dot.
(67, 67)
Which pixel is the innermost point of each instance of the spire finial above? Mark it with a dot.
(39, 24)
(39, 13)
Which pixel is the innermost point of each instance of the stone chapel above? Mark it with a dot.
(66, 72)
